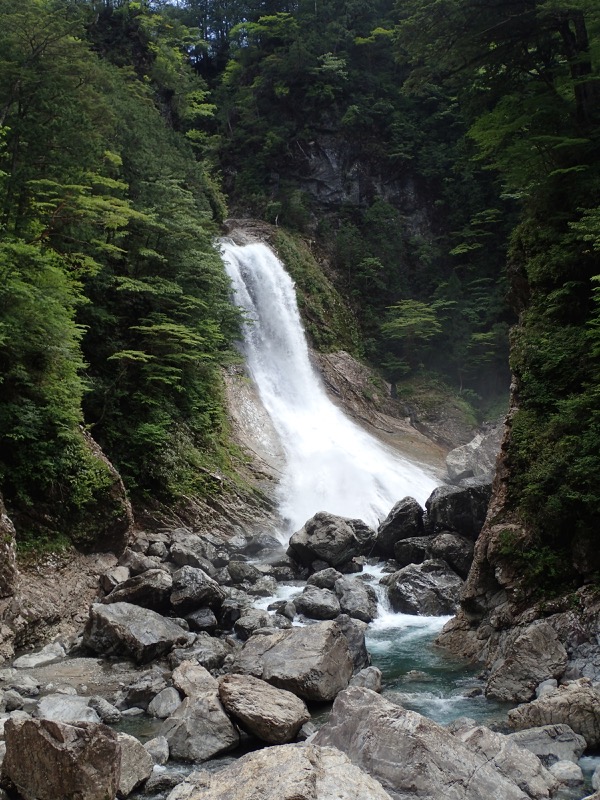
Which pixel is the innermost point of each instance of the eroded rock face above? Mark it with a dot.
(428, 589)
(46, 760)
(288, 772)
(404, 521)
(335, 540)
(410, 755)
(8, 564)
(271, 714)
(127, 629)
(312, 662)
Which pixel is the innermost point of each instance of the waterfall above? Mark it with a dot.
(331, 464)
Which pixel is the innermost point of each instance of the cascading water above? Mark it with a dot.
(331, 464)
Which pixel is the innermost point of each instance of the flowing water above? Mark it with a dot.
(331, 464)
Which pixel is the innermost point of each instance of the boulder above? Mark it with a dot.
(273, 715)
(568, 773)
(312, 662)
(47, 655)
(455, 550)
(130, 630)
(114, 576)
(410, 755)
(158, 750)
(137, 563)
(192, 680)
(477, 458)
(405, 521)
(202, 620)
(354, 630)
(200, 728)
(368, 678)
(144, 688)
(165, 703)
(415, 550)
(324, 579)
(288, 772)
(334, 540)
(108, 713)
(66, 708)
(136, 764)
(252, 619)
(151, 589)
(206, 650)
(317, 603)
(8, 554)
(241, 571)
(576, 704)
(530, 656)
(46, 760)
(459, 509)
(357, 599)
(430, 589)
(193, 588)
(185, 554)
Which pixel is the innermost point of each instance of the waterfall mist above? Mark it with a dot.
(331, 463)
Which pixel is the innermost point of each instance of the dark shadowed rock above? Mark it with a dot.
(455, 550)
(253, 619)
(405, 521)
(193, 588)
(144, 688)
(273, 715)
(47, 760)
(202, 620)
(151, 590)
(357, 599)
(317, 603)
(459, 509)
(241, 571)
(325, 578)
(312, 662)
(331, 539)
(127, 629)
(415, 550)
(429, 589)
(8, 554)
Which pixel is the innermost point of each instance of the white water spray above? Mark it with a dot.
(331, 464)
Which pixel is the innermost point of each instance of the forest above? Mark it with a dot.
(462, 202)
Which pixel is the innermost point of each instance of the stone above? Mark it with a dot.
(313, 662)
(410, 755)
(47, 655)
(108, 713)
(251, 620)
(12, 700)
(25, 685)
(165, 703)
(332, 539)
(455, 550)
(596, 779)
(151, 589)
(576, 704)
(200, 729)
(546, 686)
(357, 598)
(288, 772)
(324, 579)
(137, 563)
(317, 603)
(65, 708)
(415, 550)
(368, 678)
(568, 773)
(459, 509)
(113, 577)
(192, 680)
(551, 743)
(130, 630)
(136, 764)
(241, 571)
(273, 715)
(202, 620)
(530, 656)
(405, 521)
(477, 458)
(144, 688)
(46, 760)
(193, 588)
(9, 574)
(207, 651)
(158, 750)
(354, 630)
(429, 589)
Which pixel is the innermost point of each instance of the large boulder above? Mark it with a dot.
(317, 603)
(477, 458)
(312, 662)
(357, 599)
(151, 590)
(430, 589)
(530, 657)
(288, 772)
(355, 630)
(576, 704)
(46, 760)
(414, 550)
(551, 743)
(455, 550)
(130, 630)
(404, 521)
(136, 764)
(271, 714)
(410, 755)
(208, 651)
(459, 509)
(193, 588)
(66, 708)
(335, 540)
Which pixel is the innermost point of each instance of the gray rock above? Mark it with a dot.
(546, 686)
(165, 703)
(312, 662)
(324, 579)
(477, 458)
(47, 655)
(530, 656)
(273, 715)
(12, 700)
(404, 521)
(459, 509)
(577, 705)
(127, 629)
(9, 574)
(113, 577)
(108, 713)
(551, 743)
(334, 540)
(241, 571)
(202, 620)
(264, 587)
(357, 598)
(415, 550)
(144, 688)
(251, 620)
(193, 588)
(192, 680)
(158, 750)
(25, 685)
(207, 651)
(136, 764)
(199, 729)
(354, 630)
(186, 555)
(47, 760)
(65, 708)
(151, 589)
(455, 550)
(317, 603)
(137, 563)
(596, 779)
(428, 589)
(410, 755)
(368, 678)
(568, 773)
(288, 772)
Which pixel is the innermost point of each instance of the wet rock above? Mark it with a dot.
(144, 688)
(428, 589)
(354, 630)
(405, 521)
(165, 703)
(415, 550)
(206, 650)
(47, 760)
(260, 543)
(108, 713)
(357, 599)
(202, 620)
(47, 655)
(410, 755)
(576, 705)
(368, 678)
(312, 662)
(530, 656)
(127, 629)
(325, 578)
(264, 587)
(455, 550)
(251, 620)
(273, 715)
(288, 772)
(317, 603)
(136, 764)
(331, 539)
(66, 708)
(151, 589)
(193, 588)
(158, 750)
(459, 509)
